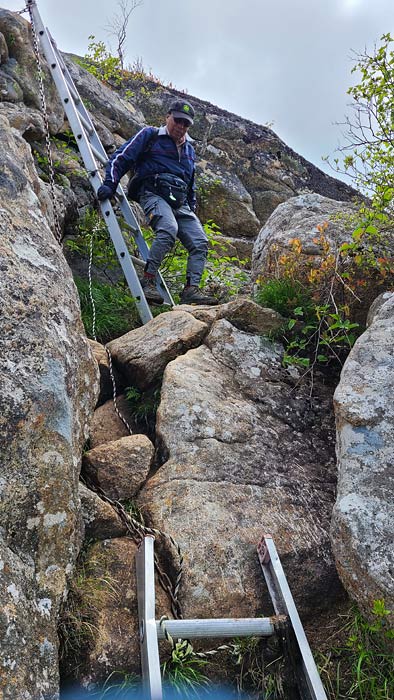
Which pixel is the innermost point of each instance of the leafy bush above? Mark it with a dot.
(143, 406)
(324, 297)
(100, 63)
(115, 312)
(367, 155)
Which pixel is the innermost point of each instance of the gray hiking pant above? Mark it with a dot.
(170, 224)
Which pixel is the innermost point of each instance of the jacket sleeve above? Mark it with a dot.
(126, 157)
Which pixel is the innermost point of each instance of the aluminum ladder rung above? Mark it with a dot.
(151, 630)
(92, 151)
(219, 627)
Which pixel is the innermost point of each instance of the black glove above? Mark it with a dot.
(105, 192)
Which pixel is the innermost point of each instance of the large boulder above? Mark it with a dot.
(142, 354)
(120, 467)
(247, 453)
(243, 313)
(227, 201)
(111, 422)
(362, 525)
(307, 218)
(48, 387)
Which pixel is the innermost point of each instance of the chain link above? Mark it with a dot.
(44, 111)
(137, 531)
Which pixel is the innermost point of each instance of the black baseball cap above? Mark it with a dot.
(182, 109)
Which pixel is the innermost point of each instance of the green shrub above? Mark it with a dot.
(363, 667)
(284, 295)
(316, 295)
(143, 407)
(114, 309)
(100, 63)
(183, 670)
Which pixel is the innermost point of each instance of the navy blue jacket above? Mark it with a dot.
(162, 157)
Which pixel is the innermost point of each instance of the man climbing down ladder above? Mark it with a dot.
(164, 185)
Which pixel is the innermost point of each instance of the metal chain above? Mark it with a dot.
(137, 531)
(44, 111)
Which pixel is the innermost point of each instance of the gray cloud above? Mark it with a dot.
(284, 62)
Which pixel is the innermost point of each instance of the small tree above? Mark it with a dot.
(117, 26)
(368, 155)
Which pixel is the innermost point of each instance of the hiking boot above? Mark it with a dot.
(195, 295)
(152, 295)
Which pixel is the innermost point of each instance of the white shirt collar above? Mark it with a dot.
(163, 131)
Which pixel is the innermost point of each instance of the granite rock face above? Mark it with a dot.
(48, 387)
(362, 529)
(246, 454)
(142, 354)
(100, 519)
(18, 72)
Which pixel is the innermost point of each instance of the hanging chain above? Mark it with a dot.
(136, 529)
(44, 111)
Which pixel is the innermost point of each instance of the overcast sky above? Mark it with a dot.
(286, 62)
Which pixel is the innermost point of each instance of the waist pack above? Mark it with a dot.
(172, 188)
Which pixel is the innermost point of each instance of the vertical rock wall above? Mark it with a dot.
(362, 526)
(48, 386)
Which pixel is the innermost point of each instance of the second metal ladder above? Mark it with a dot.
(92, 151)
(309, 685)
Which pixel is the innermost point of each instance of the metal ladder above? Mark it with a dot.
(308, 681)
(93, 152)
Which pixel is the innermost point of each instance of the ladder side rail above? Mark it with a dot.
(124, 257)
(150, 660)
(101, 155)
(91, 166)
(79, 105)
(64, 92)
(284, 605)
